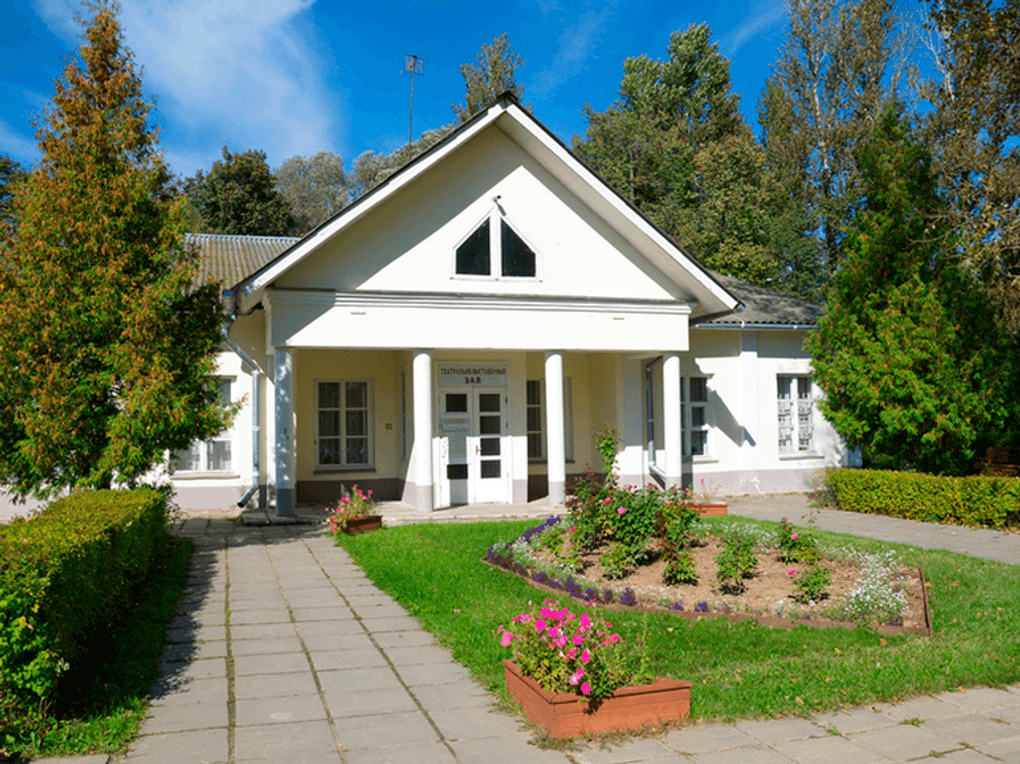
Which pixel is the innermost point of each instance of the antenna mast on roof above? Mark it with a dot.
(414, 65)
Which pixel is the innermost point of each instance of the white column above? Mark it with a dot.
(556, 457)
(750, 425)
(283, 398)
(421, 384)
(671, 432)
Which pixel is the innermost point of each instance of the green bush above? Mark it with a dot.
(66, 575)
(990, 502)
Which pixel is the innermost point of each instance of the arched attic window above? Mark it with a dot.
(496, 250)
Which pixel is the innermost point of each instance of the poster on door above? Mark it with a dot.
(472, 375)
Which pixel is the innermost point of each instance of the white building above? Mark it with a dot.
(459, 333)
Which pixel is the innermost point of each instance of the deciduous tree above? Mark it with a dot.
(491, 77)
(106, 345)
(316, 188)
(239, 196)
(10, 173)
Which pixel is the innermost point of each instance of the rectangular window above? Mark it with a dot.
(694, 415)
(213, 455)
(536, 420)
(343, 427)
(795, 414)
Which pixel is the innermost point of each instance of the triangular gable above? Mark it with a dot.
(547, 150)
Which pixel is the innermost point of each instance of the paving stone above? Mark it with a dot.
(404, 639)
(1008, 714)
(825, 750)
(629, 751)
(1004, 750)
(974, 730)
(274, 615)
(384, 730)
(201, 747)
(265, 646)
(195, 691)
(454, 695)
(171, 673)
(903, 741)
(981, 698)
(323, 642)
(354, 680)
(369, 702)
(271, 741)
(437, 673)
(961, 756)
(714, 738)
(317, 598)
(402, 623)
(313, 628)
(753, 755)
(256, 603)
(278, 710)
(262, 631)
(509, 750)
(329, 613)
(379, 611)
(180, 717)
(415, 656)
(197, 634)
(777, 730)
(273, 685)
(186, 620)
(422, 753)
(855, 720)
(282, 663)
(95, 758)
(369, 599)
(328, 660)
(467, 723)
(921, 708)
(193, 651)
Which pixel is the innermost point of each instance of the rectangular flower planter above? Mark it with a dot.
(566, 715)
(710, 509)
(363, 524)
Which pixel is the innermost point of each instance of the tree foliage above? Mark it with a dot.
(912, 367)
(106, 348)
(674, 144)
(315, 188)
(240, 196)
(371, 169)
(10, 173)
(491, 77)
(835, 72)
(975, 129)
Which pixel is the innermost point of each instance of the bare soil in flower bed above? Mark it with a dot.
(768, 596)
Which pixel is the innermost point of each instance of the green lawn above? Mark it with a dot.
(740, 670)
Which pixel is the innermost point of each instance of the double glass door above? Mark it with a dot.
(474, 446)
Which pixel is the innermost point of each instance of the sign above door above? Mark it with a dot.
(472, 374)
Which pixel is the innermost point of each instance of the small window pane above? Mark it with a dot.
(456, 472)
(329, 450)
(329, 395)
(534, 419)
(329, 423)
(488, 402)
(473, 254)
(534, 392)
(697, 416)
(489, 425)
(187, 459)
(535, 445)
(490, 469)
(699, 390)
(518, 258)
(490, 446)
(804, 387)
(356, 395)
(219, 455)
(698, 442)
(357, 450)
(225, 392)
(357, 423)
(783, 384)
(456, 403)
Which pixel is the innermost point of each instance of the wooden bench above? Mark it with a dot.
(999, 462)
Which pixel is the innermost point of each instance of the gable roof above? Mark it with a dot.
(230, 258)
(507, 115)
(765, 307)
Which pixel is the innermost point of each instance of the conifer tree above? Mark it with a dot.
(106, 344)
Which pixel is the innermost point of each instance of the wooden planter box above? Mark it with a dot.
(566, 715)
(363, 524)
(710, 509)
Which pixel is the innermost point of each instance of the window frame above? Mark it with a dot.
(653, 412)
(496, 219)
(343, 465)
(568, 422)
(687, 427)
(226, 383)
(794, 450)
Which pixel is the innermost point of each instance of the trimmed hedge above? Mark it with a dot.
(66, 576)
(988, 502)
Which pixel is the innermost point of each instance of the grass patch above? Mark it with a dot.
(740, 670)
(100, 712)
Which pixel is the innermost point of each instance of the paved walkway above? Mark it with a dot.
(285, 652)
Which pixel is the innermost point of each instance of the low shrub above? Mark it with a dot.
(66, 575)
(990, 502)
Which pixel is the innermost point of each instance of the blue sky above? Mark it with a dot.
(298, 76)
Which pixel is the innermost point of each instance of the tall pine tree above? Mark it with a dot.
(106, 345)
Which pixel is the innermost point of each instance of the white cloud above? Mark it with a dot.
(576, 45)
(234, 72)
(751, 26)
(18, 146)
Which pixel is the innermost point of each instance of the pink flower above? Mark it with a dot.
(574, 679)
(586, 688)
(578, 639)
(793, 536)
(791, 572)
(540, 625)
(506, 639)
(585, 621)
(571, 653)
(585, 656)
(607, 499)
(614, 638)
(553, 633)
(621, 510)
(561, 641)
